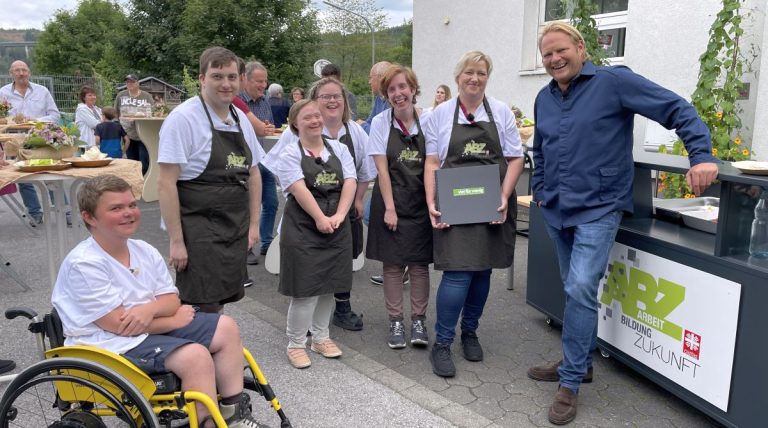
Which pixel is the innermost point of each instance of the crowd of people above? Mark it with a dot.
(218, 200)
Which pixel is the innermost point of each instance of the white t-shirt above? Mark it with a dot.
(91, 284)
(185, 137)
(285, 163)
(365, 168)
(380, 127)
(438, 126)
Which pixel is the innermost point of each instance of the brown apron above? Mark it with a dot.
(476, 247)
(313, 263)
(412, 241)
(214, 219)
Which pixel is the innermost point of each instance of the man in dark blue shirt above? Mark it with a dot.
(379, 103)
(582, 182)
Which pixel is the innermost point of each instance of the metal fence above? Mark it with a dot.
(65, 89)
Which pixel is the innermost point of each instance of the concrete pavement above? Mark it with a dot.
(372, 384)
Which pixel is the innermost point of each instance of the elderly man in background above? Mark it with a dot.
(379, 103)
(279, 105)
(29, 101)
(253, 95)
(131, 102)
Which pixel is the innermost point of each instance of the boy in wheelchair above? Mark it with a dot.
(116, 293)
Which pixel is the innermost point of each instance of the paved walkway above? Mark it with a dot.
(374, 385)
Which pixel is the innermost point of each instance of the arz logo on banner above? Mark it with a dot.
(657, 311)
(692, 344)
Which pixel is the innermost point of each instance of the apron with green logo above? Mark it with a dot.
(412, 241)
(313, 263)
(214, 219)
(355, 221)
(475, 247)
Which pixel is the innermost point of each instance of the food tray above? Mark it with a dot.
(82, 163)
(696, 213)
(752, 167)
(23, 166)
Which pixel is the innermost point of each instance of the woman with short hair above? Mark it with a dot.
(87, 115)
(470, 130)
(399, 231)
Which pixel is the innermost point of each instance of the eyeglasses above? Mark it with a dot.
(328, 97)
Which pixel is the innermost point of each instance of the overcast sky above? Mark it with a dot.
(34, 13)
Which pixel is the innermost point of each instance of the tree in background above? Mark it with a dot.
(151, 41)
(282, 35)
(84, 41)
(347, 38)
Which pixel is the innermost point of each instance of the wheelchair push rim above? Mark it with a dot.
(33, 399)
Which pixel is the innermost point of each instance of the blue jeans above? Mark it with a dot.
(268, 208)
(460, 293)
(138, 151)
(29, 196)
(367, 211)
(582, 252)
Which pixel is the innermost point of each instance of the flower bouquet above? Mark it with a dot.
(50, 141)
(5, 108)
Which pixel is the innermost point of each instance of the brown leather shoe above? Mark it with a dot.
(548, 373)
(563, 408)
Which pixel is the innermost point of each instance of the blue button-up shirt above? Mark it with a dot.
(260, 107)
(36, 103)
(379, 105)
(582, 146)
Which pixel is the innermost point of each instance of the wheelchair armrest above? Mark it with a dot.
(20, 311)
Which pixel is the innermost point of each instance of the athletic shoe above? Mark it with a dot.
(419, 335)
(326, 348)
(442, 362)
(298, 358)
(470, 346)
(396, 338)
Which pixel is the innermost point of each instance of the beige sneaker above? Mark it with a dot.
(298, 358)
(326, 348)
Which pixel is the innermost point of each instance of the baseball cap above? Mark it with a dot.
(131, 77)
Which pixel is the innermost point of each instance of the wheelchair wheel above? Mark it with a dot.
(73, 393)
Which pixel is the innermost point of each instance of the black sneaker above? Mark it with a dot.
(35, 220)
(396, 335)
(348, 320)
(377, 279)
(470, 346)
(419, 335)
(248, 282)
(252, 259)
(6, 366)
(442, 363)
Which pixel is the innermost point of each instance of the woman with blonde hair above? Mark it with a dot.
(442, 94)
(470, 130)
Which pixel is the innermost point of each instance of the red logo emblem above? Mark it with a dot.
(691, 344)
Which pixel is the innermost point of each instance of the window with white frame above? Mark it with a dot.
(611, 18)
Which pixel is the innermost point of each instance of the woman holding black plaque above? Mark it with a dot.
(470, 130)
(399, 232)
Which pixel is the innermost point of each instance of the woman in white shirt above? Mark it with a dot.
(399, 231)
(331, 96)
(318, 179)
(87, 115)
(470, 130)
(442, 94)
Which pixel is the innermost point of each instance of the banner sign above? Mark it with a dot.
(678, 321)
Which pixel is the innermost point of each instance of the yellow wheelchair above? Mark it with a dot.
(87, 387)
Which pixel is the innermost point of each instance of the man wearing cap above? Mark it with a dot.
(130, 103)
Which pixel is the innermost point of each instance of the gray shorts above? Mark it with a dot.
(150, 354)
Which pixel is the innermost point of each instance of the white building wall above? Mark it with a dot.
(664, 41)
